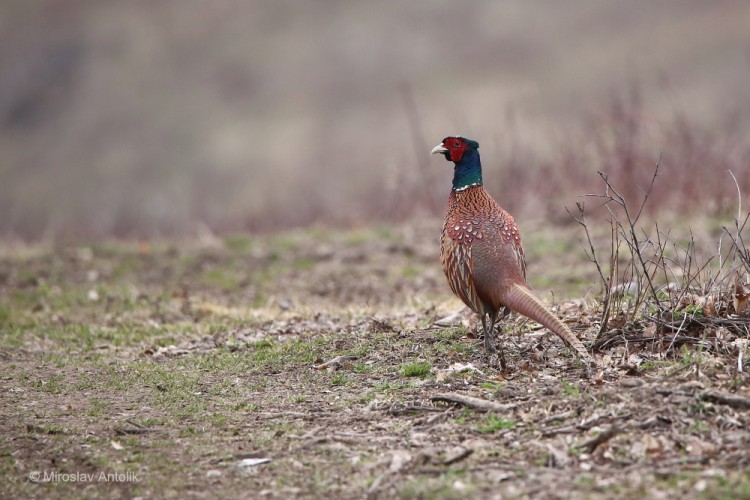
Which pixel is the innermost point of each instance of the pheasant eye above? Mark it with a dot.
(456, 144)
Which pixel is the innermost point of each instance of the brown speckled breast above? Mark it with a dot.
(480, 249)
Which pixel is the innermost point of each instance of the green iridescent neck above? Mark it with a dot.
(468, 171)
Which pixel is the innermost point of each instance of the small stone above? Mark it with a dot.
(252, 462)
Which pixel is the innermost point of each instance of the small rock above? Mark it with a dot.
(213, 473)
(252, 462)
(399, 460)
(631, 382)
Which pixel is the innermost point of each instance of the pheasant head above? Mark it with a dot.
(464, 153)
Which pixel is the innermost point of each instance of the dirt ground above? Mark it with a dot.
(337, 364)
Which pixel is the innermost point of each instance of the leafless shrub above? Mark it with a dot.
(171, 191)
(650, 277)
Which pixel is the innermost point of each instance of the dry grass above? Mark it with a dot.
(188, 365)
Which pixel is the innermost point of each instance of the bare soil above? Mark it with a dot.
(325, 363)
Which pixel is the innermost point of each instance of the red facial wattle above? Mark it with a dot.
(456, 148)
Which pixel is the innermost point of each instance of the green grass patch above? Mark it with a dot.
(491, 386)
(303, 263)
(339, 379)
(222, 278)
(97, 407)
(442, 487)
(53, 385)
(5, 317)
(571, 390)
(454, 333)
(239, 243)
(493, 423)
(416, 369)
(270, 355)
(736, 485)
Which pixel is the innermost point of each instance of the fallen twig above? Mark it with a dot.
(619, 338)
(701, 459)
(651, 422)
(472, 402)
(600, 438)
(431, 420)
(731, 324)
(726, 399)
(560, 416)
(328, 439)
(465, 453)
(404, 408)
(138, 429)
(282, 414)
(679, 370)
(567, 429)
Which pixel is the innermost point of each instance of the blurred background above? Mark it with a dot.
(172, 117)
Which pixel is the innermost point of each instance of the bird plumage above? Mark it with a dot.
(481, 251)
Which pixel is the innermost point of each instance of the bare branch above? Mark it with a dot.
(650, 187)
(739, 195)
(472, 402)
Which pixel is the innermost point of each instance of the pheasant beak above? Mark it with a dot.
(439, 149)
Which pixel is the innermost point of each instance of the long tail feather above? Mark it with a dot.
(520, 299)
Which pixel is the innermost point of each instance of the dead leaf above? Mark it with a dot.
(442, 375)
(456, 454)
(742, 299)
(709, 307)
(651, 444)
(696, 447)
(344, 361)
(649, 331)
(635, 360)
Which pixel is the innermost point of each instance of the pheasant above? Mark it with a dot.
(481, 252)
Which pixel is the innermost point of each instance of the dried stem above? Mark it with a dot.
(606, 282)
